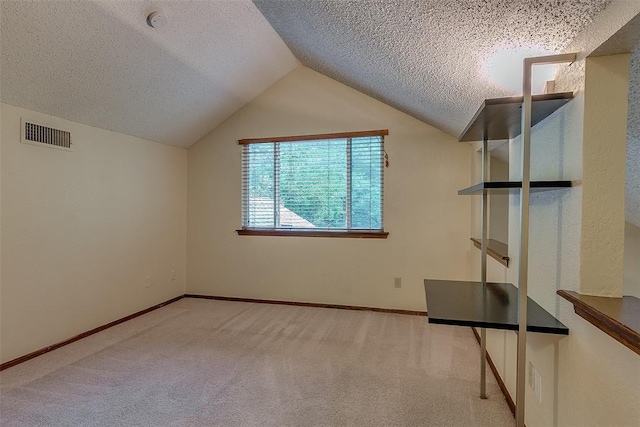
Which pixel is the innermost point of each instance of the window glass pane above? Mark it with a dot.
(313, 184)
(366, 178)
(261, 186)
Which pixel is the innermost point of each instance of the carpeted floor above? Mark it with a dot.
(218, 363)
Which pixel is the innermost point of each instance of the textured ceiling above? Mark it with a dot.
(623, 41)
(632, 206)
(423, 57)
(98, 63)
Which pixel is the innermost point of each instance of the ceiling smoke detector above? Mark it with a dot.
(156, 20)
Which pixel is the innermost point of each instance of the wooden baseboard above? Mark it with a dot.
(310, 304)
(52, 347)
(501, 383)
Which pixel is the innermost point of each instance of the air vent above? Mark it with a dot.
(45, 136)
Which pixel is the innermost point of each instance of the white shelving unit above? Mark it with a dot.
(502, 305)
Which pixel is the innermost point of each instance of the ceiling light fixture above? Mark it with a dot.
(503, 68)
(156, 20)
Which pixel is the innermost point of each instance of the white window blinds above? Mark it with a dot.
(331, 184)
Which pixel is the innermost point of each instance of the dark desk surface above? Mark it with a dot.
(467, 304)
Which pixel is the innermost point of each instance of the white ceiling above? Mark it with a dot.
(100, 64)
(423, 57)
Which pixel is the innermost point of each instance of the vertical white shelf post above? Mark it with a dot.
(523, 265)
(485, 242)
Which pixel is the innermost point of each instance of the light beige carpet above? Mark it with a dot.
(218, 363)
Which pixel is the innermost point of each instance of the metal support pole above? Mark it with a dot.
(524, 225)
(524, 245)
(485, 227)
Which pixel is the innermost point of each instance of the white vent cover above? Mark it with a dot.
(45, 136)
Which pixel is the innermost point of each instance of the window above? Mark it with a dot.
(315, 185)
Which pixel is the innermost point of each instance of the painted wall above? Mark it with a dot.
(588, 378)
(82, 229)
(428, 223)
(499, 203)
(632, 201)
(603, 181)
(631, 260)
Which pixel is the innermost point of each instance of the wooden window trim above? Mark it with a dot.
(375, 234)
(314, 233)
(381, 132)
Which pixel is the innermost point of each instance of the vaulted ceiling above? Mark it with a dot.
(424, 57)
(99, 63)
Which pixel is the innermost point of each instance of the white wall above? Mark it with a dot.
(428, 223)
(603, 178)
(632, 201)
(631, 260)
(81, 230)
(499, 203)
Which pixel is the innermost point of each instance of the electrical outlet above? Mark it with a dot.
(173, 275)
(147, 282)
(535, 381)
(397, 282)
(537, 385)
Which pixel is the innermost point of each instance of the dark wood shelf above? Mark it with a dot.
(496, 250)
(512, 186)
(617, 317)
(495, 307)
(499, 118)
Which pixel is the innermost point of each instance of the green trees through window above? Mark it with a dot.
(333, 183)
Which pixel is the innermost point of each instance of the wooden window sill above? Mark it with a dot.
(316, 233)
(495, 249)
(617, 317)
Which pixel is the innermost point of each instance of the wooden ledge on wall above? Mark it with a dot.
(617, 317)
(495, 249)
